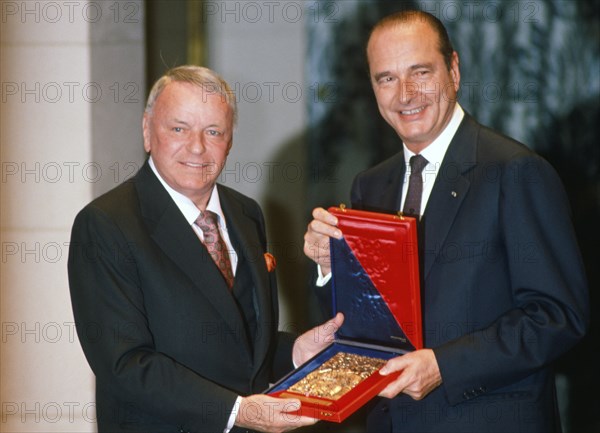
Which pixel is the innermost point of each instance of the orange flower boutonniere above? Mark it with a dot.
(270, 261)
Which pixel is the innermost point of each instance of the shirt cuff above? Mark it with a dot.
(234, 411)
(322, 279)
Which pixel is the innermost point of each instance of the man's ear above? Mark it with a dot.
(455, 70)
(146, 132)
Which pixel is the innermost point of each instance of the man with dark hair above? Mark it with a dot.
(173, 291)
(503, 286)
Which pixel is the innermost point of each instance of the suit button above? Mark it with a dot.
(470, 394)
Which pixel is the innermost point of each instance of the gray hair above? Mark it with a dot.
(200, 76)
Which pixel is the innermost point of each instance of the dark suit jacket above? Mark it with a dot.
(158, 326)
(504, 291)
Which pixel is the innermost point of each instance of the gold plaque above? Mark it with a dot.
(336, 376)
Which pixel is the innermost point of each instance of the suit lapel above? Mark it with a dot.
(450, 188)
(391, 194)
(247, 242)
(176, 238)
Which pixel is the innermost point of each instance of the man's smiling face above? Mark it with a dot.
(189, 133)
(415, 90)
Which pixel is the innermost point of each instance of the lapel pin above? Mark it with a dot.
(454, 194)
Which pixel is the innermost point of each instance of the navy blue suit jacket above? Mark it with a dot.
(504, 290)
(158, 326)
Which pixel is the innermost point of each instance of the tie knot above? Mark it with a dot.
(417, 163)
(207, 221)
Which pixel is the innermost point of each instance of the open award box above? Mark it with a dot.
(375, 283)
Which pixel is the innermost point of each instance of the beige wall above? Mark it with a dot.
(72, 89)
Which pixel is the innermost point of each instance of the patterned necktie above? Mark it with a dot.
(207, 221)
(412, 204)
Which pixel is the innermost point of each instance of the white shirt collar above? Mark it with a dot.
(187, 206)
(434, 153)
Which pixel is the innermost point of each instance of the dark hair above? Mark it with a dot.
(411, 16)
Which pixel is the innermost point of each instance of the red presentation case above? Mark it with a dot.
(375, 283)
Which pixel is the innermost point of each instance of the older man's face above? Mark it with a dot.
(415, 91)
(189, 134)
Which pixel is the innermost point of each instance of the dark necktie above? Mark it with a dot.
(207, 221)
(412, 203)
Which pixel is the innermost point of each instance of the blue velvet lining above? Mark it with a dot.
(368, 318)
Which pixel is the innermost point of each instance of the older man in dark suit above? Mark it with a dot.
(504, 291)
(173, 291)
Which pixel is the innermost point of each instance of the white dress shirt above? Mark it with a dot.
(434, 154)
(191, 214)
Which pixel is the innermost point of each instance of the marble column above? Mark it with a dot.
(72, 92)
